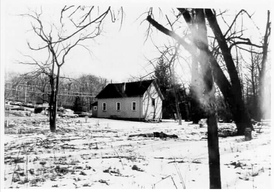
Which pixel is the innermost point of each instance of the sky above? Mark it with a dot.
(118, 55)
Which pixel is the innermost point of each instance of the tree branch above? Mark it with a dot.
(235, 19)
(170, 33)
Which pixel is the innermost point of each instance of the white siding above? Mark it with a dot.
(149, 110)
(125, 108)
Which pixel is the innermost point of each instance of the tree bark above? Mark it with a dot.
(263, 65)
(210, 109)
(52, 103)
(213, 152)
(52, 112)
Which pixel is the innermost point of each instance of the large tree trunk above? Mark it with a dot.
(55, 101)
(239, 110)
(52, 117)
(263, 65)
(52, 101)
(235, 102)
(52, 111)
(213, 152)
(209, 103)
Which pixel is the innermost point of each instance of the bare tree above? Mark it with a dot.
(252, 86)
(254, 73)
(164, 71)
(239, 111)
(230, 86)
(76, 24)
(206, 91)
(87, 86)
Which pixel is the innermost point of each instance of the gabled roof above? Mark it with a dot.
(129, 89)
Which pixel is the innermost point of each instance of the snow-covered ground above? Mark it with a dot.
(104, 153)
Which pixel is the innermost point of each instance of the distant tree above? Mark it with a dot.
(162, 75)
(252, 87)
(34, 87)
(12, 80)
(78, 104)
(223, 110)
(163, 79)
(172, 92)
(88, 86)
(27, 87)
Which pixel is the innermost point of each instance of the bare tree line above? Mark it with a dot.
(27, 89)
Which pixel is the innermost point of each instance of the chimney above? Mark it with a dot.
(124, 87)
